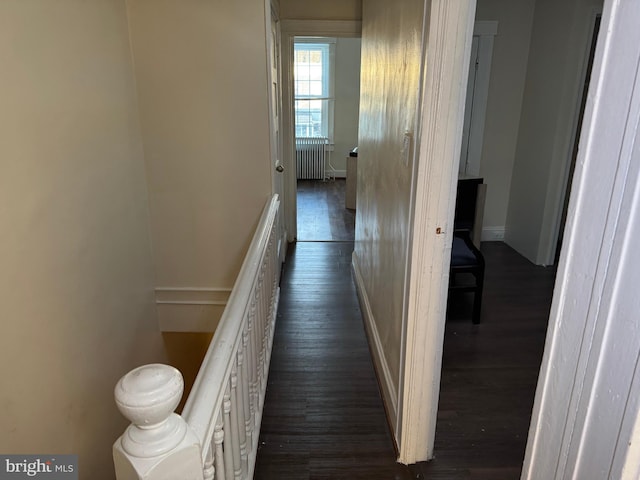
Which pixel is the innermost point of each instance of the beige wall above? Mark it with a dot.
(201, 70)
(504, 103)
(325, 9)
(391, 37)
(76, 283)
(559, 47)
(347, 94)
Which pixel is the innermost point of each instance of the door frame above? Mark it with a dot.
(484, 31)
(564, 142)
(289, 30)
(274, 54)
(586, 416)
(446, 49)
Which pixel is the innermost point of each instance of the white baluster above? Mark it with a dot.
(270, 291)
(235, 430)
(265, 333)
(209, 469)
(259, 340)
(218, 437)
(246, 385)
(226, 446)
(255, 355)
(157, 440)
(240, 407)
(263, 327)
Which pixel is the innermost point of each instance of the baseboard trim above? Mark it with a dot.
(190, 309)
(336, 173)
(493, 234)
(383, 372)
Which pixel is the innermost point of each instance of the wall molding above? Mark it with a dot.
(190, 309)
(324, 28)
(493, 234)
(336, 173)
(485, 28)
(389, 390)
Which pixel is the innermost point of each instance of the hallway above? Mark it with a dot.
(323, 416)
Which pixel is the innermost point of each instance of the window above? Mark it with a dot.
(313, 81)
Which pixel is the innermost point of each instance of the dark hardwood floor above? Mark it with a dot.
(322, 215)
(490, 371)
(323, 415)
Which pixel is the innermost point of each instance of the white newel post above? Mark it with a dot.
(158, 445)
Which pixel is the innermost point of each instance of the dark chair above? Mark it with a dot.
(466, 258)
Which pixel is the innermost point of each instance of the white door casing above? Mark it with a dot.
(289, 30)
(477, 96)
(468, 109)
(275, 123)
(447, 38)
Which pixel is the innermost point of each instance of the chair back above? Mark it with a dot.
(466, 199)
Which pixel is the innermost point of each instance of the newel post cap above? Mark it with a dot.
(147, 395)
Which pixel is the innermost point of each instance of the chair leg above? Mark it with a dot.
(477, 297)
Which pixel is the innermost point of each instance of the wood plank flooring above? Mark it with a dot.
(490, 371)
(323, 415)
(322, 215)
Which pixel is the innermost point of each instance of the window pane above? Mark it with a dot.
(302, 89)
(315, 88)
(315, 56)
(302, 56)
(309, 115)
(315, 72)
(310, 77)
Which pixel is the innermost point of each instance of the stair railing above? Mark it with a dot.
(216, 437)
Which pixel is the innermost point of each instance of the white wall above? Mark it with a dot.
(201, 69)
(559, 47)
(391, 54)
(504, 103)
(77, 278)
(347, 94)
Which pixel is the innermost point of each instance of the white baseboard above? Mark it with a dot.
(190, 309)
(336, 173)
(493, 234)
(389, 390)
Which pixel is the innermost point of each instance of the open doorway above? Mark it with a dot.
(574, 152)
(346, 35)
(326, 95)
(489, 372)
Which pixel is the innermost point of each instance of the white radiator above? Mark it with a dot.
(311, 157)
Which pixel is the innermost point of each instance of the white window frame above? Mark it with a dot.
(329, 44)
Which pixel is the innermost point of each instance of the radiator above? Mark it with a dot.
(311, 157)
